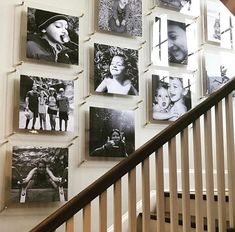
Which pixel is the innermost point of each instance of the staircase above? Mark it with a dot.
(205, 136)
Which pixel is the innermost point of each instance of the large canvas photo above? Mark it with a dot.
(46, 104)
(218, 69)
(177, 5)
(171, 97)
(116, 70)
(52, 36)
(170, 42)
(39, 174)
(112, 132)
(121, 16)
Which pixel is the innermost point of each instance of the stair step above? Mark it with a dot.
(180, 221)
(192, 196)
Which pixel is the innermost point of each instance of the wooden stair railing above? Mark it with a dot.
(187, 129)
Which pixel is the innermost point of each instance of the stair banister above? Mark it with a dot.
(100, 186)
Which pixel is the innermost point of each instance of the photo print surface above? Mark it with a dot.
(177, 5)
(170, 40)
(112, 132)
(121, 16)
(52, 36)
(39, 174)
(116, 70)
(219, 69)
(220, 25)
(213, 21)
(171, 97)
(46, 104)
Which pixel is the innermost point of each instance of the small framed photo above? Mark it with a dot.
(171, 42)
(116, 70)
(46, 104)
(218, 70)
(177, 5)
(52, 37)
(39, 174)
(219, 25)
(121, 16)
(171, 97)
(112, 132)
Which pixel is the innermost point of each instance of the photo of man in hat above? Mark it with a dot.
(52, 37)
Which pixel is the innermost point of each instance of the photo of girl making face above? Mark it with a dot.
(112, 132)
(177, 42)
(52, 37)
(115, 70)
(171, 99)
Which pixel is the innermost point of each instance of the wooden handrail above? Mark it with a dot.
(104, 182)
(230, 4)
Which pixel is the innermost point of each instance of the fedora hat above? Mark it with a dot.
(44, 18)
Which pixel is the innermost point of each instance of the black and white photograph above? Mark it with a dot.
(177, 5)
(46, 104)
(177, 42)
(219, 69)
(116, 70)
(39, 174)
(171, 97)
(213, 21)
(52, 37)
(170, 42)
(112, 132)
(121, 16)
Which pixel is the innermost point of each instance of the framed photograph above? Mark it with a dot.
(52, 37)
(116, 70)
(171, 97)
(219, 25)
(170, 41)
(39, 174)
(121, 16)
(177, 5)
(213, 15)
(218, 70)
(46, 104)
(112, 132)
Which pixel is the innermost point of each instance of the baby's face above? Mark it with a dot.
(163, 98)
(175, 89)
(117, 67)
(57, 32)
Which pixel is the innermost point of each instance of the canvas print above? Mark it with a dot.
(171, 97)
(213, 21)
(177, 42)
(177, 5)
(52, 36)
(39, 174)
(121, 16)
(112, 132)
(170, 43)
(219, 69)
(46, 104)
(116, 70)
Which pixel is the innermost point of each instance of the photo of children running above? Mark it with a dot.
(171, 99)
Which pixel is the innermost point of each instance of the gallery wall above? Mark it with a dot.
(83, 134)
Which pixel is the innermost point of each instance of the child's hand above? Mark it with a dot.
(109, 144)
(117, 22)
(123, 22)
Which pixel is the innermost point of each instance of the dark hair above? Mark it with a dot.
(175, 23)
(117, 131)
